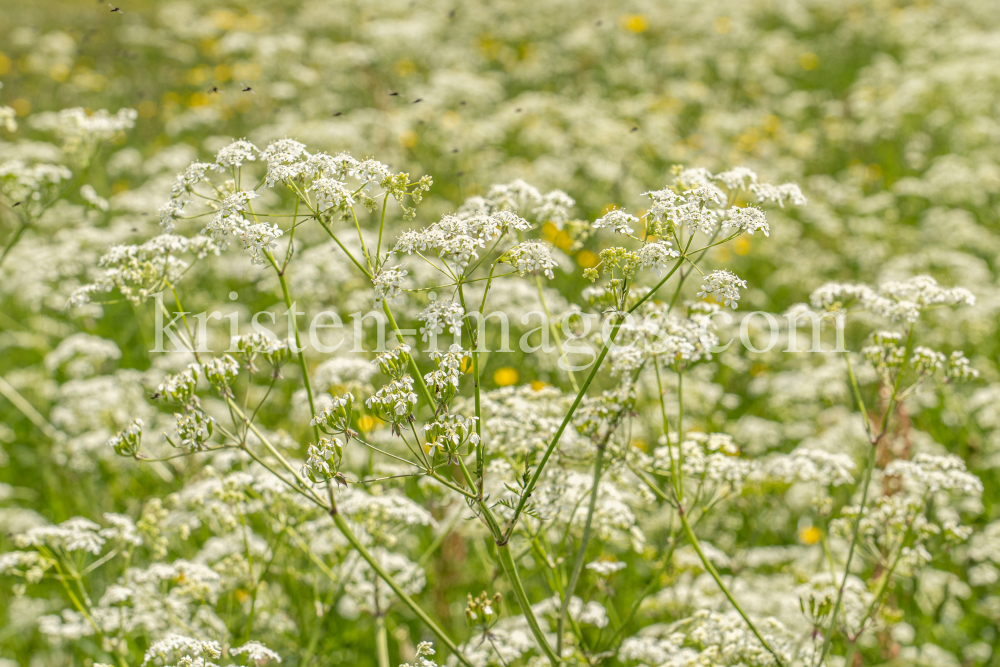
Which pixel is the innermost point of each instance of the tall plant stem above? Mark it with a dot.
(722, 586)
(850, 556)
(474, 341)
(299, 350)
(345, 529)
(576, 403)
(417, 375)
(554, 329)
(874, 439)
(581, 553)
(510, 568)
(381, 640)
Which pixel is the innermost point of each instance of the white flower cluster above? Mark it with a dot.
(806, 464)
(533, 257)
(388, 284)
(458, 238)
(180, 651)
(724, 286)
(617, 220)
(126, 442)
(221, 372)
(21, 182)
(364, 590)
(696, 208)
(256, 237)
(89, 195)
(235, 154)
(383, 514)
(194, 428)
(8, 118)
(394, 401)
(443, 382)
(179, 388)
(656, 254)
(748, 219)
(712, 457)
(521, 420)
(420, 658)
(709, 638)
(81, 131)
(897, 301)
(324, 459)
(818, 596)
(140, 270)
(606, 568)
(522, 197)
(926, 472)
(439, 315)
(779, 194)
(72, 535)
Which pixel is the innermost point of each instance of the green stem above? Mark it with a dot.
(300, 351)
(381, 641)
(28, 410)
(874, 440)
(13, 241)
(507, 563)
(474, 340)
(850, 556)
(581, 553)
(554, 329)
(722, 586)
(576, 402)
(417, 376)
(341, 523)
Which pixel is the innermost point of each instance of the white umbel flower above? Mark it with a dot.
(779, 194)
(532, 256)
(724, 286)
(388, 285)
(441, 314)
(656, 255)
(748, 219)
(617, 220)
(235, 154)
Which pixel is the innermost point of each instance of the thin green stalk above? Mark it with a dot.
(850, 556)
(417, 376)
(554, 329)
(441, 536)
(507, 563)
(28, 410)
(576, 402)
(300, 351)
(381, 226)
(341, 523)
(473, 338)
(13, 241)
(874, 440)
(581, 553)
(654, 580)
(346, 251)
(364, 250)
(722, 586)
(381, 641)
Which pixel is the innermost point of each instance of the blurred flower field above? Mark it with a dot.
(625, 183)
